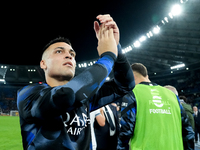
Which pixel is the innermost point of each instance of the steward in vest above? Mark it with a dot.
(152, 117)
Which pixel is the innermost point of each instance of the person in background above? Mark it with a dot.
(197, 123)
(97, 115)
(188, 109)
(172, 88)
(183, 101)
(152, 117)
(106, 128)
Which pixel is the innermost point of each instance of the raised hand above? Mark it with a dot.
(106, 41)
(109, 22)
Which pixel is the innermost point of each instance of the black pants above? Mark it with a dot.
(197, 131)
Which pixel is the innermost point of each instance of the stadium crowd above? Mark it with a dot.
(8, 98)
(190, 89)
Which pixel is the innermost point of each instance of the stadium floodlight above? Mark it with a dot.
(150, 33)
(107, 78)
(2, 80)
(166, 19)
(176, 10)
(3, 66)
(136, 44)
(170, 15)
(85, 64)
(178, 66)
(183, 1)
(156, 30)
(142, 38)
(127, 49)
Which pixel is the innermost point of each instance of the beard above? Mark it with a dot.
(63, 78)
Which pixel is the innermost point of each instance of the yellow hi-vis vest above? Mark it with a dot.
(158, 119)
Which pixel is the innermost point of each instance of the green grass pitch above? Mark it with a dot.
(10, 133)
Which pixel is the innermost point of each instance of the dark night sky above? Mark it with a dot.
(27, 27)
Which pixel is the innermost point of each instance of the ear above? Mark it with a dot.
(43, 64)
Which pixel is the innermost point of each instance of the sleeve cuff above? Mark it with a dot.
(112, 55)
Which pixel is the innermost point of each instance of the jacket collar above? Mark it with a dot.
(148, 83)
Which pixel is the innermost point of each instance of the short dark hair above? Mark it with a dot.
(184, 98)
(56, 40)
(139, 68)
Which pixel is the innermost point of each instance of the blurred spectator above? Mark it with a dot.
(106, 128)
(172, 88)
(8, 98)
(184, 103)
(197, 123)
(188, 109)
(99, 116)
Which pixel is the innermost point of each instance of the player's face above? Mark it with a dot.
(60, 61)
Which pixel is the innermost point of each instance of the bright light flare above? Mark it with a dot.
(2, 80)
(156, 30)
(142, 38)
(127, 49)
(107, 78)
(178, 66)
(166, 19)
(136, 44)
(176, 10)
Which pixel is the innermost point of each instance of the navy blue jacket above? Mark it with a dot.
(58, 117)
